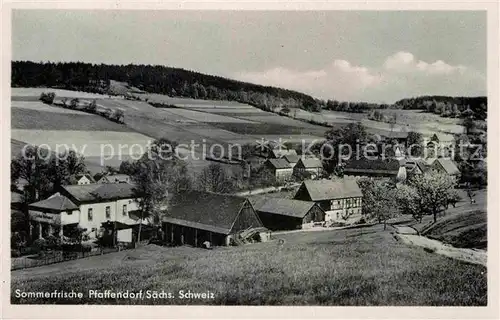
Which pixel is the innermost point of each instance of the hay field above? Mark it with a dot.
(187, 102)
(36, 92)
(203, 116)
(39, 106)
(87, 143)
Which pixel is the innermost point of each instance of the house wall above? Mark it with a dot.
(279, 222)
(247, 218)
(283, 174)
(99, 214)
(316, 214)
(84, 180)
(345, 210)
(180, 235)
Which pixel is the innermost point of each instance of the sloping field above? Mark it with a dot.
(88, 143)
(356, 267)
(262, 128)
(465, 230)
(36, 92)
(39, 106)
(203, 116)
(187, 102)
(43, 120)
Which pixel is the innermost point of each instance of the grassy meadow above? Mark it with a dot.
(364, 266)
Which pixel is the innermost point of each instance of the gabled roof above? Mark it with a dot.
(86, 175)
(329, 189)
(443, 137)
(291, 158)
(448, 166)
(98, 192)
(279, 163)
(206, 211)
(311, 162)
(55, 203)
(282, 206)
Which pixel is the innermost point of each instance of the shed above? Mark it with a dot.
(195, 217)
(286, 214)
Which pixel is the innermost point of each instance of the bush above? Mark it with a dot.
(47, 98)
(14, 253)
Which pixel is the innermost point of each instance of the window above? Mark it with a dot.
(124, 209)
(69, 213)
(108, 212)
(89, 214)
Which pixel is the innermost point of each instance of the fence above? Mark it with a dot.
(56, 256)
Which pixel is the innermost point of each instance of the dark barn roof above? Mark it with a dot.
(363, 165)
(279, 163)
(206, 211)
(310, 162)
(281, 206)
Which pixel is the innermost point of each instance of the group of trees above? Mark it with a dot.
(447, 106)
(427, 194)
(355, 107)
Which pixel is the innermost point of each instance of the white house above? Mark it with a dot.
(85, 206)
(82, 179)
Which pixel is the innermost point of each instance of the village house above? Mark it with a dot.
(115, 178)
(280, 168)
(341, 200)
(84, 206)
(287, 214)
(310, 164)
(447, 166)
(195, 217)
(81, 179)
(416, 167)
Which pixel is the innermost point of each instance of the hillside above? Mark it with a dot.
(170, 81)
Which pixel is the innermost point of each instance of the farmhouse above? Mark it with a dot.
(287, 214)
(86, 206)
(81, 179)
(115, 178)
(311, 165)
(341, 199)
(364, 167)
(195, 217)
(446, 166)
(280, 168)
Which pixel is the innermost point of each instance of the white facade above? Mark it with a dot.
(84, 180)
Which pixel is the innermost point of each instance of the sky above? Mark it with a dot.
(371, 56)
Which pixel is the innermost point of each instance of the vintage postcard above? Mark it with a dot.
(303, 156)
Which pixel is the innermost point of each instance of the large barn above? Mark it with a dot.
(195, 217)
(287, 214)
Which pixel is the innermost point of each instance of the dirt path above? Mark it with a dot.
(475, 256)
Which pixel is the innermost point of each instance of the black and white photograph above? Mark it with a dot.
(248, 157)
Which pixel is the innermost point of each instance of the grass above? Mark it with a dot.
(22, 118)
(26, 93)
(347, 267)
(466, 230)
(269, 128)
